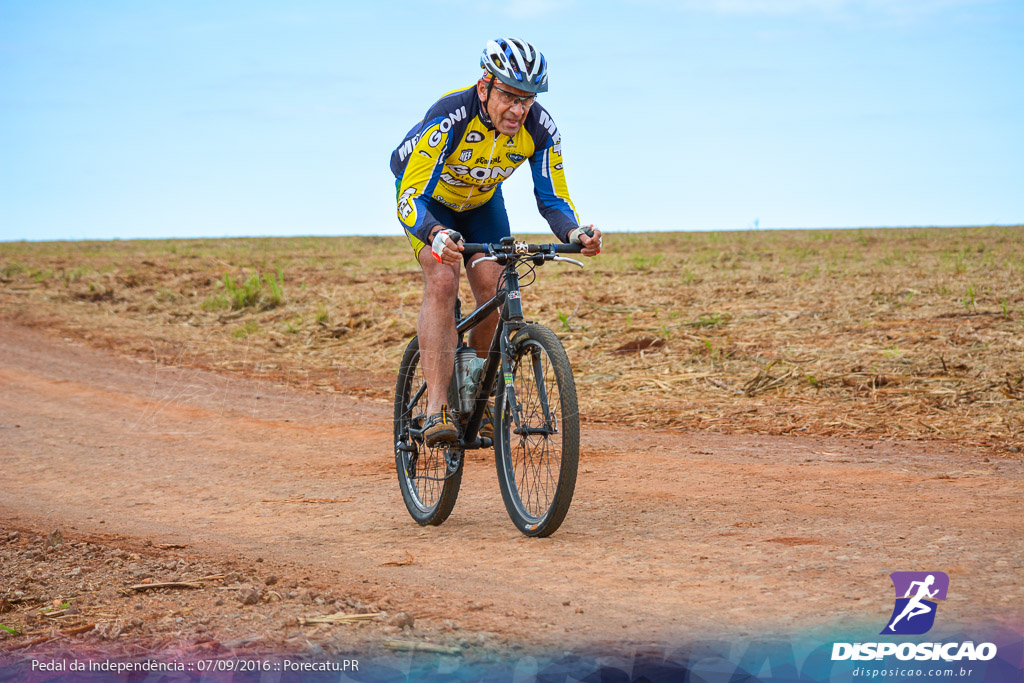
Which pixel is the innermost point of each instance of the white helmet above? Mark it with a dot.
(517, 63)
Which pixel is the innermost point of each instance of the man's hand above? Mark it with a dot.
(447, 246)
(591, 242)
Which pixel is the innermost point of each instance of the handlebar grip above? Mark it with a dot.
(471, 248)
(587, 230)
(455, 236)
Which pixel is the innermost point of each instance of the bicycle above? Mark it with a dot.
(535, 417)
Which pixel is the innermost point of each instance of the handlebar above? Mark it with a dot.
(520, 248)
(509, 246)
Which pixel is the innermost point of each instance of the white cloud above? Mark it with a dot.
(516, 9)
(891, 9)
(534, 9)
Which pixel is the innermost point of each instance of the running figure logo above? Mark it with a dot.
(916, 595)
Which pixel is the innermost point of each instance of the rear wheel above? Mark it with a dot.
(429, 477)
(537, 433)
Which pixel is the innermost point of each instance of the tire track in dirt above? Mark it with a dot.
(671, 535)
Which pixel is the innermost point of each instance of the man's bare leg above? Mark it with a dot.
(435, 327)
(483, 279)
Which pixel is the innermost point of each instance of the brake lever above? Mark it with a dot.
(570, 260)
(482, 258)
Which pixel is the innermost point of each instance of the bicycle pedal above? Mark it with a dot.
(453, 459)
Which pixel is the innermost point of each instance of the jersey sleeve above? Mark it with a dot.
(422, 171)
(549, 180)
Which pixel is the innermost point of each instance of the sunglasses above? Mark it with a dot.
(512, 99)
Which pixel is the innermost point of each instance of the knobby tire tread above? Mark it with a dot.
(548, 522)
(437, 512)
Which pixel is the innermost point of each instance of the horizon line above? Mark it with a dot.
(392, 234)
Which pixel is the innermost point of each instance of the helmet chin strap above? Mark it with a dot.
(484, 116)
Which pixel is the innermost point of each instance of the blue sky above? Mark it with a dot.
(185, 118)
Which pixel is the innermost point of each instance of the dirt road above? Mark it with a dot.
(670, 535)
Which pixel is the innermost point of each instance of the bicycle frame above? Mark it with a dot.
(509, 299)
(532, 363)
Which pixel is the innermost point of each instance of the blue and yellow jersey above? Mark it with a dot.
(455, 158)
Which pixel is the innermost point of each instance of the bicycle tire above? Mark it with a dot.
(429, 484)
(537, 460)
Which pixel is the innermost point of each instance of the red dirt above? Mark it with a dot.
(670, 535)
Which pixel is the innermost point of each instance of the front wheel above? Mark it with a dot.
(429, 477)
(537, 435)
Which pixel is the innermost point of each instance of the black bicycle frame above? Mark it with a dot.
(509, 298)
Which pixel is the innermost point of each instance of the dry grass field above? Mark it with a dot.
(893, 333)
(758, 469)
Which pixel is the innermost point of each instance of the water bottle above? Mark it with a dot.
(474, 372)
(468, 369)
(463, 357)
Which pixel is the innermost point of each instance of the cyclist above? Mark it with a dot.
(449, 170)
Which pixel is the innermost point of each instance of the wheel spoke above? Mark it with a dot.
(429, 486)
(535, 451)
(538, 375)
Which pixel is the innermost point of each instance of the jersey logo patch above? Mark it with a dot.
(515, 158)
(466, 155)
(407, 209)
(474, 136)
